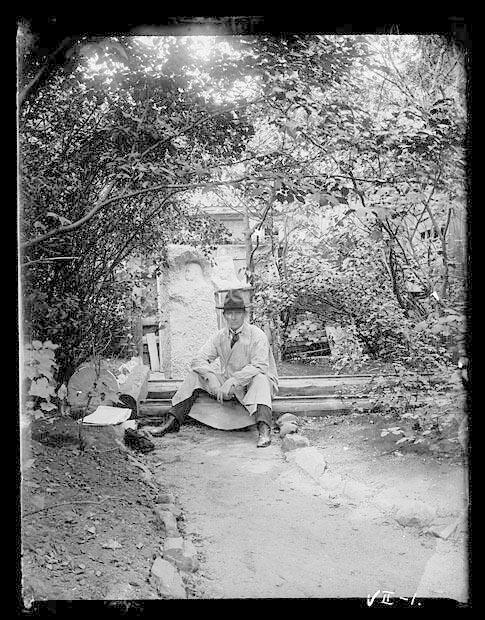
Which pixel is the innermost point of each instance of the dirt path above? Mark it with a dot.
(265, 529)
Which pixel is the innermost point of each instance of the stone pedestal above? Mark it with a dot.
(186, 294)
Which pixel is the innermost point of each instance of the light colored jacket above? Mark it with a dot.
(250, 355)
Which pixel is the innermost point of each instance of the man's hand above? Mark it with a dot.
(226, 390)
(213, 384)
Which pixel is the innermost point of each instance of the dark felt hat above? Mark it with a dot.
(234, 301)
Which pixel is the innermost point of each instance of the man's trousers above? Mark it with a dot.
(255, 397)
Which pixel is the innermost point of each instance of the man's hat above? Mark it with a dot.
(234, 301)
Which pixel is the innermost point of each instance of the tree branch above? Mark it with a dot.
(48, 260)
(190, 126)
(125, 196)
(41, 76)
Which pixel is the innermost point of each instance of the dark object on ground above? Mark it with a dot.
(137, 441)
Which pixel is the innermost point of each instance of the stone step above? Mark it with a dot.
(299, 405)
(289, 386)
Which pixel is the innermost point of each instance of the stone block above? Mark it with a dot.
(120, 592)
(175, 510)
(356, 490)
(294, 441)
(413, 513)
(332, 483)
(310, 460)
(166, 520)
(288, 427)
(165, 497)
(181, 553)
(286, 417)
(166, 578)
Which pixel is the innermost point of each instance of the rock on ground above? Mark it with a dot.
(175, 510)
(286, 417)
(294, 441)
(167, 521)
(120, 592)
(165, 577)
(182, 553)
(310, 460)
(288, 427)
(165, 497)
(414, 514)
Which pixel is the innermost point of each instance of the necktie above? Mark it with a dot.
(234, 339)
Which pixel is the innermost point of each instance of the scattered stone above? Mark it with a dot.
(286, 417)
(155, 431)
(356, 490)
(288, 427)
(175, 510)
(166, 578)
(294, 441)
(167, 522)
(165, 497)
(414, 514)
(182, 553)
(445, 531)
(119, 592)
(310, 460)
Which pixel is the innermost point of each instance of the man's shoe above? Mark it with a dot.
(169, 425)
(264, 435)
(137, 440)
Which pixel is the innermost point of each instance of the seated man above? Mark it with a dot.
(248, 371)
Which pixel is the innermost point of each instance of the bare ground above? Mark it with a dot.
(262, 526)
(267, 530)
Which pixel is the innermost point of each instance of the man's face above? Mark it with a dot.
(234, 318)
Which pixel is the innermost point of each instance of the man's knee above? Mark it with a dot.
(260, 381)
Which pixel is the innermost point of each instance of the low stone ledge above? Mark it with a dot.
(288, 427)
(175, 510)
(182, 553)
(293, 442)
(166, 521)
(166, 578)
(287, 417)
(310, 460)
(165, 497)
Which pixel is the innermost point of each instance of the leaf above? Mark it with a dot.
(62, 392)
(30, 372)
(40, 387)
(47, 406)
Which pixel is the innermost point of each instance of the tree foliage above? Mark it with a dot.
(344, 145)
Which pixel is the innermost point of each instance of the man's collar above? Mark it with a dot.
(238, 331)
